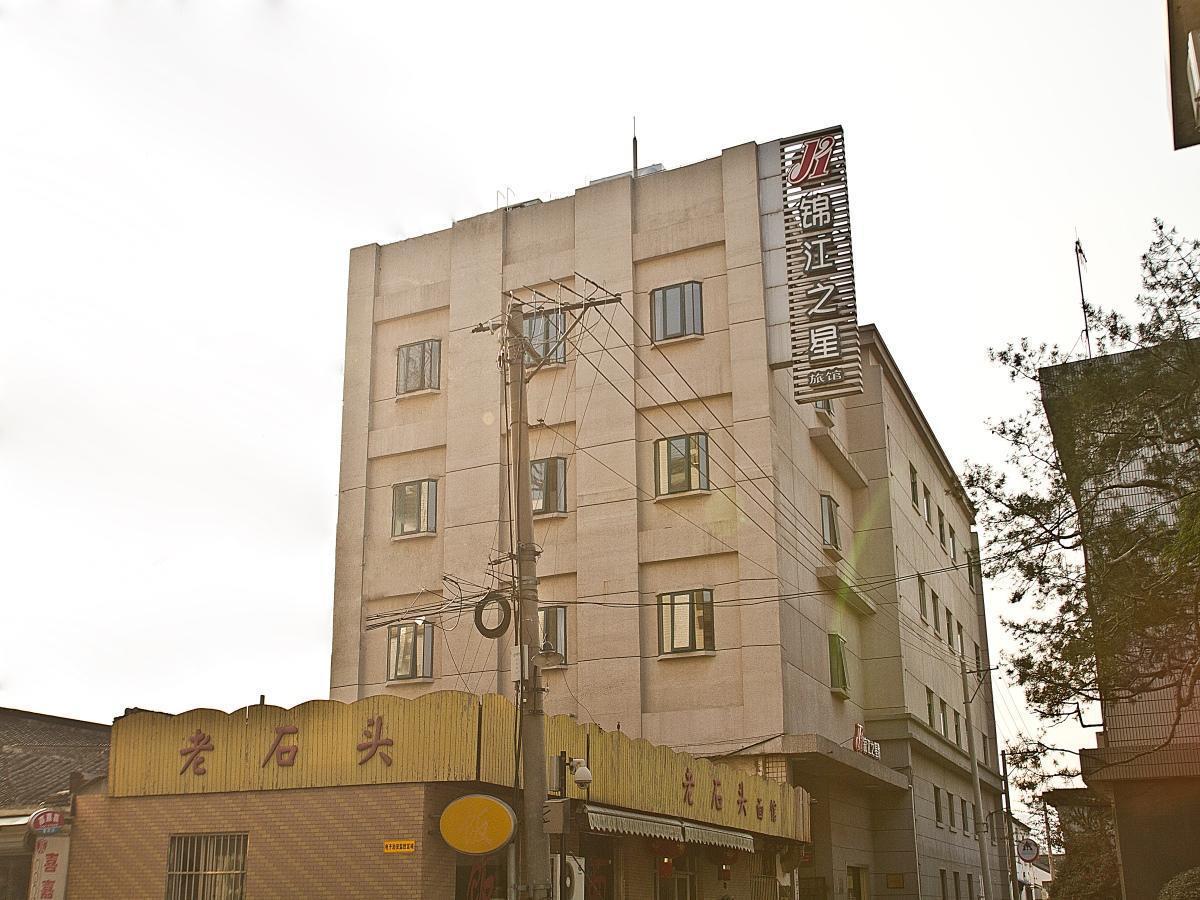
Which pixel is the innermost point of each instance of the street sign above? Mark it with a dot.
(477, 824)
(1028, 850)
(47, 821)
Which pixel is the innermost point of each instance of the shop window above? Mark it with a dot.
(829, 524)
(417, 366)
(839, 674)
(681, 464)
(678, 310)
(685, 622)
(414, 507)
(206, 865)
(548, 484)
(486, 876)
(552, 627)
(410, 651)
(544, 334)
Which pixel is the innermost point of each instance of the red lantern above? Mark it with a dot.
(666, 867)
(725, 872)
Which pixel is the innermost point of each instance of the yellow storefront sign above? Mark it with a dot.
(399, 846)
(477, 824)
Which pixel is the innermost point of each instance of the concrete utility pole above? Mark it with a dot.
(980, 837)
(1049, 840)
(536, 874)
(1010, 843)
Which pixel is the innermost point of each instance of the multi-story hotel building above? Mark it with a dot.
(724, 571)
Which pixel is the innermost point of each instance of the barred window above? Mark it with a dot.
(829, 525)
(410, 651)
(685, 621)
(544, 332)
(552, 626)
(417, 366)
(681, 464)
(414, 507)
(206, 866)
(678, 310)
(839, 673)
(548, 484)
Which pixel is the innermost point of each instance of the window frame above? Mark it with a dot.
(943, 718)
(701, 627)
(922, 590)
(958, 726)
(548, 344)
(431, 364)
(938, 817)
(421, 653)
(913, 481)
(951, 814)
(941, 517)
(927, 508)
(965, 820)
(937, 614)
(829, 523)
(691, 311)
(426, 510)
(696, 456)
(949, 629)
(839, 668)
(558, 494)
(557, 614)
(190, 861)
(930, 708)
(961, 644)
(953, 544)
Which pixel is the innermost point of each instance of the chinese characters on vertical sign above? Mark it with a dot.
(820, 267)
(48, 871)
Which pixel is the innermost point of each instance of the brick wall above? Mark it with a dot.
(312, 843)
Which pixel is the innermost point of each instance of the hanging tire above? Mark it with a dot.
(501, 601)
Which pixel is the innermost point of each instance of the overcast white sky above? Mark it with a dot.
(180, 183)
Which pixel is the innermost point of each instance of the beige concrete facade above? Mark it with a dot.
(754, 538)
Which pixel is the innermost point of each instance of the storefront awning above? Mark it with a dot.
(718, 837)
(619, 821)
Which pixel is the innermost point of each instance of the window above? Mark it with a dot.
(417, 367)
(942, 879)
(957, 728)
(829, 525)
(937, 804)
(685, 622)
(678, 310)
(929, 708)
(927, 506)
(970, 570)
(978, 661)
(410, 651)
(544, 332)
(414, 507)
(921, 595)
(548, 484)
(970, 886)
(825, 406)
(839, 675)
(957, 887)
(950, 809)
(912, 486)
(987, 750)
(960, 640)
(206, 865)
(966, 821)
(949, 628)
(937, 616)
(681, 464)
(552, 626)
(941, 527)
(953, 545)
(944, 719)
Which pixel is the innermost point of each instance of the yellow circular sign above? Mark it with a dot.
(477, 824)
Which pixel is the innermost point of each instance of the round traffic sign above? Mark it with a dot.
(1028, 850)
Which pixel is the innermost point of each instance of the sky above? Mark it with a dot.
(181, 182)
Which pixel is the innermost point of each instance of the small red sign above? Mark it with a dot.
(47, 821)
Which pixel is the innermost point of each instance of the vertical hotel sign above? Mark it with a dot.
(822, 308)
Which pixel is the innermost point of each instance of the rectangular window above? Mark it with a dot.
(410, 651)
(942, 879)
(206, 865)
(953, 545)
(544, 333)
(912, 486)
(929, 708)
(987, 750)
(681, 464)
(414, 507)
(959, 634)
(548, 484)
(957, 728)
(937, 615)
(825, 406)
(839, 674)
(970, 570)
(978, 661)
(921, 590)
(678, 310)
(966, 821)
(552, 626)
(685, 622)
(941, 527)
(949, 628)
(418, 366)
(927, 505)
(957, 888)
(950, 809)
(970, 886)
(937, 804)
(944, 720)
(829, 525)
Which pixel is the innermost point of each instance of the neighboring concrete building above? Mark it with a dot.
(39, 754)
(725, 572)
(1183, 62)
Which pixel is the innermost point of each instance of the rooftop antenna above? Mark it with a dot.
(633, 171)
(1080, 262)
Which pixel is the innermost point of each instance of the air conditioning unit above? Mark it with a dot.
(573, 890)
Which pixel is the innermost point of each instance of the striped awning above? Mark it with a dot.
(718, 837)
(620, 821)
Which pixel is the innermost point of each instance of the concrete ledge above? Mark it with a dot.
(832, 579)
(831, 448)
(817, 756)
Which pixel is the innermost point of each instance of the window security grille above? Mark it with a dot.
(206, 867)
(839, 673)
(410, 651)
(829, 524)
(685, 621)
(544, 332)
(418, 366)
(414, 507)
(681, 464)
(552, 626)
(678, 310)
(548, 484)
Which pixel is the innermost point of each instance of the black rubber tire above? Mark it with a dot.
(501, 601)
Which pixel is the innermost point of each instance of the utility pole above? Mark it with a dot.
(1008, 818)
(1049, 840)
(536, 875)
(980, 837)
